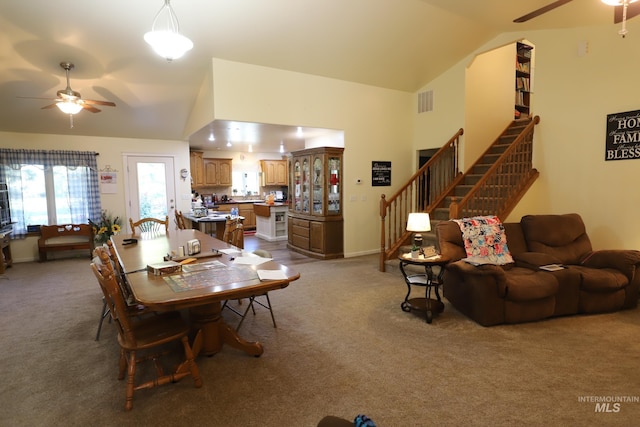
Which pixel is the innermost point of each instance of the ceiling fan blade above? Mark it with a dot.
(35, 97)
(95, 102)
(46, 107)
(538, 12)
(90, 108)
(633, 9)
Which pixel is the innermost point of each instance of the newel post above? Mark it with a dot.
(383, 215)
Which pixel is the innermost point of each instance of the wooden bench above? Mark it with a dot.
(65, 238)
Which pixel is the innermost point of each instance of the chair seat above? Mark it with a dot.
(155, 330)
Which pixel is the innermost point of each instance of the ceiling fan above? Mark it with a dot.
(69, 101)
(623, 10)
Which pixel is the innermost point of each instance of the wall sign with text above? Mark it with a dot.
(623, 136)
(380, 174)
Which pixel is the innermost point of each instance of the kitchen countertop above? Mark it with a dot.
(234, 202)
(275, 205)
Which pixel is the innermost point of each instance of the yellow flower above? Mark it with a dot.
(102, 230)
(115, 228)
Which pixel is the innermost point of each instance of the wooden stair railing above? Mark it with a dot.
(423, 191)
(504, 184)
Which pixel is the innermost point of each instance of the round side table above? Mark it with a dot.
(427, 304)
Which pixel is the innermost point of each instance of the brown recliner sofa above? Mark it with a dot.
(592, 282)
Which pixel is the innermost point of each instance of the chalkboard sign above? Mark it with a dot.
(380, 174)
(623, 136)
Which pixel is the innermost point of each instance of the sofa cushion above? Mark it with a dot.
(601, 279)
(526, 285)
(562, 236)
(485, 240)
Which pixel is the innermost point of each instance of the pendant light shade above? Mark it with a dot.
(165, 37)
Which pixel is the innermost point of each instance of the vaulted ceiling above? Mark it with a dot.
(397, 44)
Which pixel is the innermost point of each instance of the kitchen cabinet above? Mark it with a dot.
(315, 215)
(217, 172)
(196, 163)
(274, 172)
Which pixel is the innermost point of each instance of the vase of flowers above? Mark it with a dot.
(106, 227)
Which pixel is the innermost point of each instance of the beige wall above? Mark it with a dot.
(376, 124)
(111, 154)
(573, 95)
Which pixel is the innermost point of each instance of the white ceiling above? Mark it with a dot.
(398, 44)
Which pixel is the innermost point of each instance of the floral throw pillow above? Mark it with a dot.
(485, 240)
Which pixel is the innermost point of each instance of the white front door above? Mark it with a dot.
(151, 187)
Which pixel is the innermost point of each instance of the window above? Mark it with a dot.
(50, 187)
(246, 183)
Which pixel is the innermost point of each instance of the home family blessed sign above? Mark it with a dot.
(623, 136)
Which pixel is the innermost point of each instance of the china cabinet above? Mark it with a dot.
(315, 220)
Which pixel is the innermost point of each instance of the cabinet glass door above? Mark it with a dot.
(318, 187)
(333, 186)
(305, 186)
(297, 186)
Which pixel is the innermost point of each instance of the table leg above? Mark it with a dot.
(215, 332)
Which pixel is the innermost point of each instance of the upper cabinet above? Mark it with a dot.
(197, 174)
(217, 172)
(523, 80)
(274, 172)
(208, 172)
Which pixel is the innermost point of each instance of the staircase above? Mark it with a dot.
(493, 185)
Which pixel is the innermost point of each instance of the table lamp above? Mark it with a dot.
(418, 222)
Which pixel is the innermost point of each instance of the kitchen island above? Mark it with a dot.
(271, 221)
(212, 224)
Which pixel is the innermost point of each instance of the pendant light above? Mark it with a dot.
(165, 37)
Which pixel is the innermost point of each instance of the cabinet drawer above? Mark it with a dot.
(301, 242)
(300, 231)
(300, 223)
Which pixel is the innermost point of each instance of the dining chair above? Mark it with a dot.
(142, 337)
(253, 299)
(180, 220)
(133, 308)
(150, 225)
(233, 232)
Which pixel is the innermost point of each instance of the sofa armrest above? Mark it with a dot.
(624, 260)
(533, 260)
(490, 272)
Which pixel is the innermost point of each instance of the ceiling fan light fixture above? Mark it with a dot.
(69, 107)
(617, 2)
(165, 37)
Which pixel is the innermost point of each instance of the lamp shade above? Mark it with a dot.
(418, 222)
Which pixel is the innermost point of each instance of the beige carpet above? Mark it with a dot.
(342, 347)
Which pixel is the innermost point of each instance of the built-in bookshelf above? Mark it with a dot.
(523, 80)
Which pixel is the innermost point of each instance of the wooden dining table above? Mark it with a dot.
(201, 287)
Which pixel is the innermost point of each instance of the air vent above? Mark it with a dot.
(425, 101)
